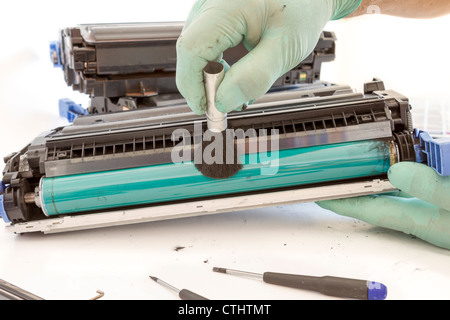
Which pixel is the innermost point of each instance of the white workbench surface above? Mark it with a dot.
(409, 56)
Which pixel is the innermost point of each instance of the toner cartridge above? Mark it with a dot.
(122, 66)
(313, 143)
(305, 140)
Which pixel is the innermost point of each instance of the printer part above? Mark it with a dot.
(124, 66)
(313, 143)
(305, 140)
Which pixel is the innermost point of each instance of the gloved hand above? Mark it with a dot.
(278, 33)
(422, 208)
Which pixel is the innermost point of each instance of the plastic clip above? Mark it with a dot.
(70, 110)
(55, 55)
(2, 208)
(435, 152)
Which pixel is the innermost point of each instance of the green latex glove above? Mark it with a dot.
(422, 208)
(278, 33)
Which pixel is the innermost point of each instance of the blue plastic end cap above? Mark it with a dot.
(2, 208)
(3, 212)
(434, 152)
(376, 291)
(55, 55)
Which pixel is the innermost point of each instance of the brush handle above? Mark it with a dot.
(213, 75)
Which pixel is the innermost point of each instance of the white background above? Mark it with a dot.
(411, 56)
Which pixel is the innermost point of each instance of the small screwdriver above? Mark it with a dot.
(328, 285)
(184, 294)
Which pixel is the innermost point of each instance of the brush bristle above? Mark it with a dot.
(221, 170)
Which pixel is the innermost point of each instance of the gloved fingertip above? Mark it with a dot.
(410, 176)
(330, 204)
(226, 108)
(324, 204)
(219, 106)
(406, 168)
(242, 107)
(355, 207)
(400, 167)
(198, 109)
(251, 102)
(233, 99)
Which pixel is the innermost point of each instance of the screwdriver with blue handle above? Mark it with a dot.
(328, 285)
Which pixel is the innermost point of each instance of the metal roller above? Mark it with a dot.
(171, 182)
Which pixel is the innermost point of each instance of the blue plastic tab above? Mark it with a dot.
(70, 110)
(376, 291)
(435, 152)
(2, 208)
(2, 211)
(55, 54)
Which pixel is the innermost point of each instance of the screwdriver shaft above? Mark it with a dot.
(184, 294)
(165, 284)
(256, 276)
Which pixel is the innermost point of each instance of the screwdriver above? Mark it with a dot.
(12, 292)
(328, 285)
(184, 294)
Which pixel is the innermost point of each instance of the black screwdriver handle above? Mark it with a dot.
(185, 294)
(332, 286)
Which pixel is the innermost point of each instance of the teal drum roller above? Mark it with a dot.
(180, 181)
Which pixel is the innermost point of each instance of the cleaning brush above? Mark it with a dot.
(219, 158)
